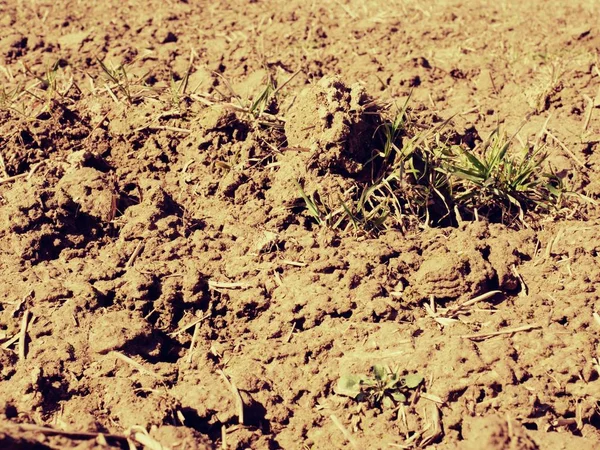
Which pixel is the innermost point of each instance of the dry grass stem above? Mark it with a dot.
(552, 242)
(23, 335)
(236, 395)
(163, 128)
(288, 338)
(223, 437)
(293, 263)
(436, 427)
(566, 150)
(482, 336)
(524, 289)
(3, 167)
(193, 343)
(459, 308)
(26, 175)
(589, 111)
(11, 341)
(344, 431)
(227, 285)
(141, 436)
(189, 325)
(126, 359)
(432, 398)
(48, 431)
(286, 82)
(268, 119)
(136, 252)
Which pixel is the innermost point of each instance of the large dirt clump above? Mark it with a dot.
(335, 123)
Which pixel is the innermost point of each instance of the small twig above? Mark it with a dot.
(47, 431)
(494, 88)
(23, 335)
(590, 110)
(481, 336)
(223, 437)
(35, 168)
(187, 165)
(98, 125)
(26, 175)
(11, 341)
(285, 83)
(455, 310)
(135, 364)
(188, 326)
(226, 285)
(3, 166)
(566, 150)
(344, 431)
(564, 422)
(237, 396)
(469, 111)
(135, 254)
(289, 335)
(459, 218)
(293, 263)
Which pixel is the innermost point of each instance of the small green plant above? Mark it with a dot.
(54, 84)
(268, 97)
(324, 213)
(495, 180)
(390, 133)
(178, 89)
(416, 177)
(260, 104)
(405, 181)
(49, 80)
(385, 388)
(372, 208)
(118, 76)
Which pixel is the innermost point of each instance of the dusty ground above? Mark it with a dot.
(157, 250)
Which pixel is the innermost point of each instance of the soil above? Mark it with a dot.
(160, 275)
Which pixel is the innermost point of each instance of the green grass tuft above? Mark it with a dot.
(417, 178)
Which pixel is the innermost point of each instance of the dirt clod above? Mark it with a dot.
(330, 119)
(119, 329)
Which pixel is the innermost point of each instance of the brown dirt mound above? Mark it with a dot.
(162, 282)
(330, 120)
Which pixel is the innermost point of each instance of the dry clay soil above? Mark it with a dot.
(158, 257)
